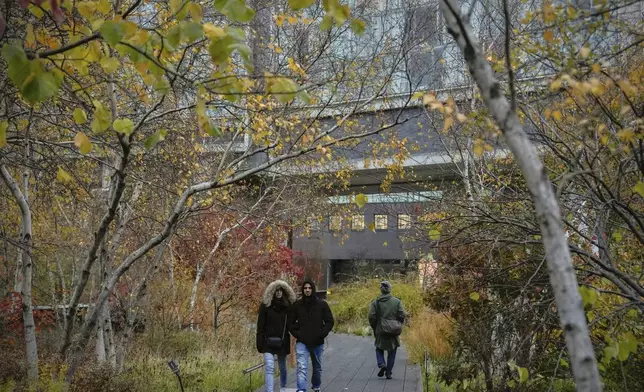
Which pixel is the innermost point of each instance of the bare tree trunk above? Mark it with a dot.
(560, 268)
(63, 288)
(131, 313)
(108, 336)
(17, 274)
(100, 341)
(25, 243)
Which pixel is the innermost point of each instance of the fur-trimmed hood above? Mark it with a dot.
(289, 294)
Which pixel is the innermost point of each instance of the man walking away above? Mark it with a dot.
(310, 321)
(386, 317)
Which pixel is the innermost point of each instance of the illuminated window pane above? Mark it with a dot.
(404, 221)
(335, 223)
(357, 223)
(380, 221)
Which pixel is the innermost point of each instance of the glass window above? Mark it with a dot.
(357, 223)
(404, 221)
(335, 223)
(380, 221)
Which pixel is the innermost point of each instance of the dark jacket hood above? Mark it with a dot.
(313, 294)
(289, 294)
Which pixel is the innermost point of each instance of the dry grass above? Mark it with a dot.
(428, 331)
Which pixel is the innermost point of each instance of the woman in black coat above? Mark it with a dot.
(272, 335)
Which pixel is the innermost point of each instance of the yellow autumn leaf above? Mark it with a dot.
(448, 123)
(86, 9)
(279, 20)
(140, 38)
(4, 125)
(80, 117)
(30, 39)
(639, 188)
(63, 176)
(555, 85)
(82, 142)
(292, 20)
(596, 68)
(104, 7)
(429, 98)
(549, 36)
(196, 12)
(110, 64)
(372, 227)
(460, 117)
(626, 135)
(584, 52)
(478, 149)
(213, 32)
(556, 115)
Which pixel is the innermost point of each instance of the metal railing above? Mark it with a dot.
(426, 365)
(250, 371)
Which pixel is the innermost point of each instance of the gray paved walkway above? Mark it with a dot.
(349, 365)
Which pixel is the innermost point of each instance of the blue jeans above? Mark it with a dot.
(391, 358)
(269, 370)
(302, 353)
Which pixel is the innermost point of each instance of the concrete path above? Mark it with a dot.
(349, 365)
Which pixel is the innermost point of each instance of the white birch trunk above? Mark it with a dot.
(25, 243)
(100, 341)
(560, 268)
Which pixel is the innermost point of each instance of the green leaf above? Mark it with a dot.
(639, 188)
(102, 118)
(162, 85)
(31, 78)
(305, 97)
(173, 37)
(220, 50)
(361, 200)
(563, 363)
(434, 234)
(617, 236)
(4, 125)
(113, 32)
(124, 126)
(110, 64)
(154, 139)
(17, 63)
(358, 26)
(191, 31)
(80, 117)
(283, 88)
(523, 374)
(588, 295)
(610, 352)
(40, 85)
(474, 296)
(299, 4)
(235, 10)
(82, 142)
(326, 23)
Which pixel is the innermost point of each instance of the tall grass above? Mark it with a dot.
(350, 303)
(428, 331)
(207, 363)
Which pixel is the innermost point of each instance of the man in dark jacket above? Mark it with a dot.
(386, 308)
(310, 321)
